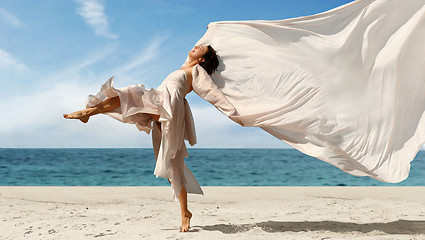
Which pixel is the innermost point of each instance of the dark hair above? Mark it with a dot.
(211, 61)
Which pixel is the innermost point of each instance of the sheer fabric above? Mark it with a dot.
(346, 86)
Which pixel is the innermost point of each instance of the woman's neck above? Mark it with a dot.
(191, 63)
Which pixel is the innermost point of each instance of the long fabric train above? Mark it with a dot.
(346, 86)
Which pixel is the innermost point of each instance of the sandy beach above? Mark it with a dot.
(222, 213)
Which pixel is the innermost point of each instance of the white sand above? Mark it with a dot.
(223, 213)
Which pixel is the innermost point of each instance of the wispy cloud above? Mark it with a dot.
(147, 54)
(10, 18)
(93, 13)
(7, 61)
(76, 67)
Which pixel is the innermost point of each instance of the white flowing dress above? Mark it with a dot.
(346, 86)
(176, 124)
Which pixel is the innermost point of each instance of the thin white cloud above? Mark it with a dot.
(93, 13)
(75, 68)
(146, 55)
(8, 61)
(10, 19)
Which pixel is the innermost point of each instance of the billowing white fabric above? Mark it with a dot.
(176, 121)
(346, 86)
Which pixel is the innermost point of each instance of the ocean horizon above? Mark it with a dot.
(211, 167)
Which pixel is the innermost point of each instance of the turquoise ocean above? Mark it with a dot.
(212, 167)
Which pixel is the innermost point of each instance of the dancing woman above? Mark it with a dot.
(345, 86)
(172, 120)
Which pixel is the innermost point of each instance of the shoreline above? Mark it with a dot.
(80, 212)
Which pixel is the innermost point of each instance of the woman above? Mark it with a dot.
(345, 86)
(167, 108)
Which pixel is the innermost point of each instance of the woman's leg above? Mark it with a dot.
(186, 215)
(106, 106)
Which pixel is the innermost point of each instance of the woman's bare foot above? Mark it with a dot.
(82, 115)
(186, 216)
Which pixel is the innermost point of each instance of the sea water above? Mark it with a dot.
(212, 167)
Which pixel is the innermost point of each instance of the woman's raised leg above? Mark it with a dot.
(186, 215)
(106, 106)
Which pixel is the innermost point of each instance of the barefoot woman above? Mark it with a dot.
(168, 110)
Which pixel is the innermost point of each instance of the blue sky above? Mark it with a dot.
(54, 53)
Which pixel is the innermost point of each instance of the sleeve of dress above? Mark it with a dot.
(135, 102)
(205, 87)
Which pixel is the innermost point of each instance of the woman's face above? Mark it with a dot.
(198, 52)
